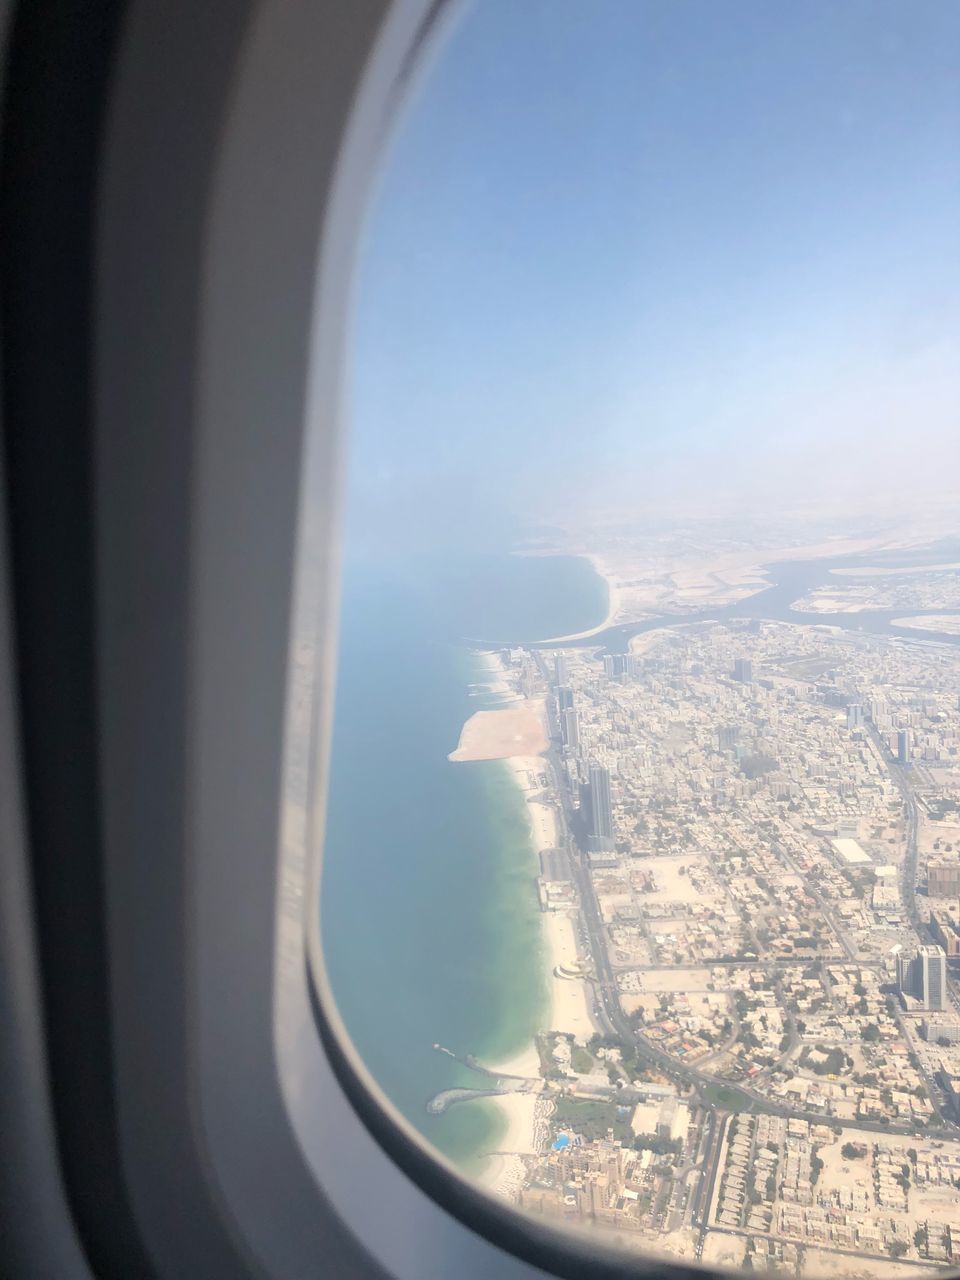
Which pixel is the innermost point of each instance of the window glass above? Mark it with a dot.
(641, 893)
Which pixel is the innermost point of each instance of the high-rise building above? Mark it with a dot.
(933, 977)
(946, 932)
(571, 730)
(943, 878)
(923, 977)
(948, 1031)
(564, 698)
(601, 809)
(667, 1117)
(559, 669)
(743, 670)
(903, 746)
(614, 664)
(854, 716)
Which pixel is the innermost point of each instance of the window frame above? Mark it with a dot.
(229, 183)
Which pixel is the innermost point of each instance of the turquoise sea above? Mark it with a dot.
(429, 911)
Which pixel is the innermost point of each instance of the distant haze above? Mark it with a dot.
(628, 252)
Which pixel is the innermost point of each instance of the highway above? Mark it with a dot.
(908, 871)
(713, 1148)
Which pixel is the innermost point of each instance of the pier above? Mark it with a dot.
(441, 1101)
(471, 1063)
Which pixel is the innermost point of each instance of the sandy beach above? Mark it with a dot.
(493, 735)
(525, 1113)
(570, 1008)
(569, 1005)
(567, 1010)
(527, 772)
(504, 1169)
(947, 623)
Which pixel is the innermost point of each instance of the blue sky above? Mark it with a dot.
(622, 252)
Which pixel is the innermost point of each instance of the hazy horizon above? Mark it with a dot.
(634, 253)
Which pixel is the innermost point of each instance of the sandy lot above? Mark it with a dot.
(819, 1264)
(500, 734)
(933, 1203)
(945, 832)
(723, 1251)
(671, 885)
(678, 980)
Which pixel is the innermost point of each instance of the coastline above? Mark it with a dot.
(614, 596)
(566, 1006)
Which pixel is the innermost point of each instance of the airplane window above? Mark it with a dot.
(641, 883)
